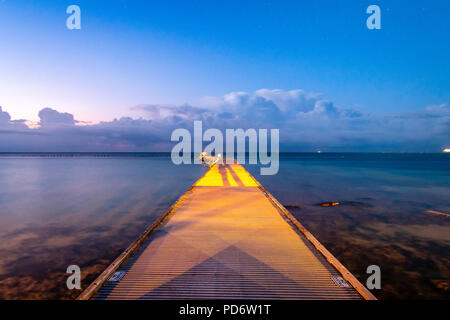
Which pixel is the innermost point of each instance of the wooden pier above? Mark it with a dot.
(226, 238)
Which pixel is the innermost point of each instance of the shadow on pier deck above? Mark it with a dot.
(226, 238)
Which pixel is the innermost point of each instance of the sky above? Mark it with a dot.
(137, 70)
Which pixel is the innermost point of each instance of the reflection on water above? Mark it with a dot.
(55, 212)
(381, 218)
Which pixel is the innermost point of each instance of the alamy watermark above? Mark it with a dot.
(74, 280)
(374, 20)
(74, 20)
(257, 150)
(374, 280)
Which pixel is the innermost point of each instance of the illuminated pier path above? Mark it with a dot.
(226, 238)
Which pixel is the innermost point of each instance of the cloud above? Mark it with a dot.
(7, 125)
(5, 118)
(268, 108)
(307, 122)
(52, 118)
(171, 112)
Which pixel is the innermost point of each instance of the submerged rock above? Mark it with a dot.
(291, 206)
(344, 203)
(329, 204)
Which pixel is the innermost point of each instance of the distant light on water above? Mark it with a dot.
(447, 150)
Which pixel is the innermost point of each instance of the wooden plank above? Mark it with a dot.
(227, 237)
(111, 269)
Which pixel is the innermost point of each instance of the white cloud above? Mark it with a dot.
(307, 122)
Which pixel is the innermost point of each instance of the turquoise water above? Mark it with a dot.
(422, 180)
(85, 209)
(382, 218)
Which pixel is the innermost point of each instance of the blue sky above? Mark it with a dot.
(132, 54)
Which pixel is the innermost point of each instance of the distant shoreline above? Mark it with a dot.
(167, 154)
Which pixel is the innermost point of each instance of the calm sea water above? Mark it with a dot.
(85, 209)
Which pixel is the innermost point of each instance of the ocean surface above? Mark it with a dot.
(67, 209)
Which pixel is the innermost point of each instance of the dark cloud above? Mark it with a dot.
(5, 118)
(307, 122)
(7, 125)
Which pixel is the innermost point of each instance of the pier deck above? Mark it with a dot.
(226, 238)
